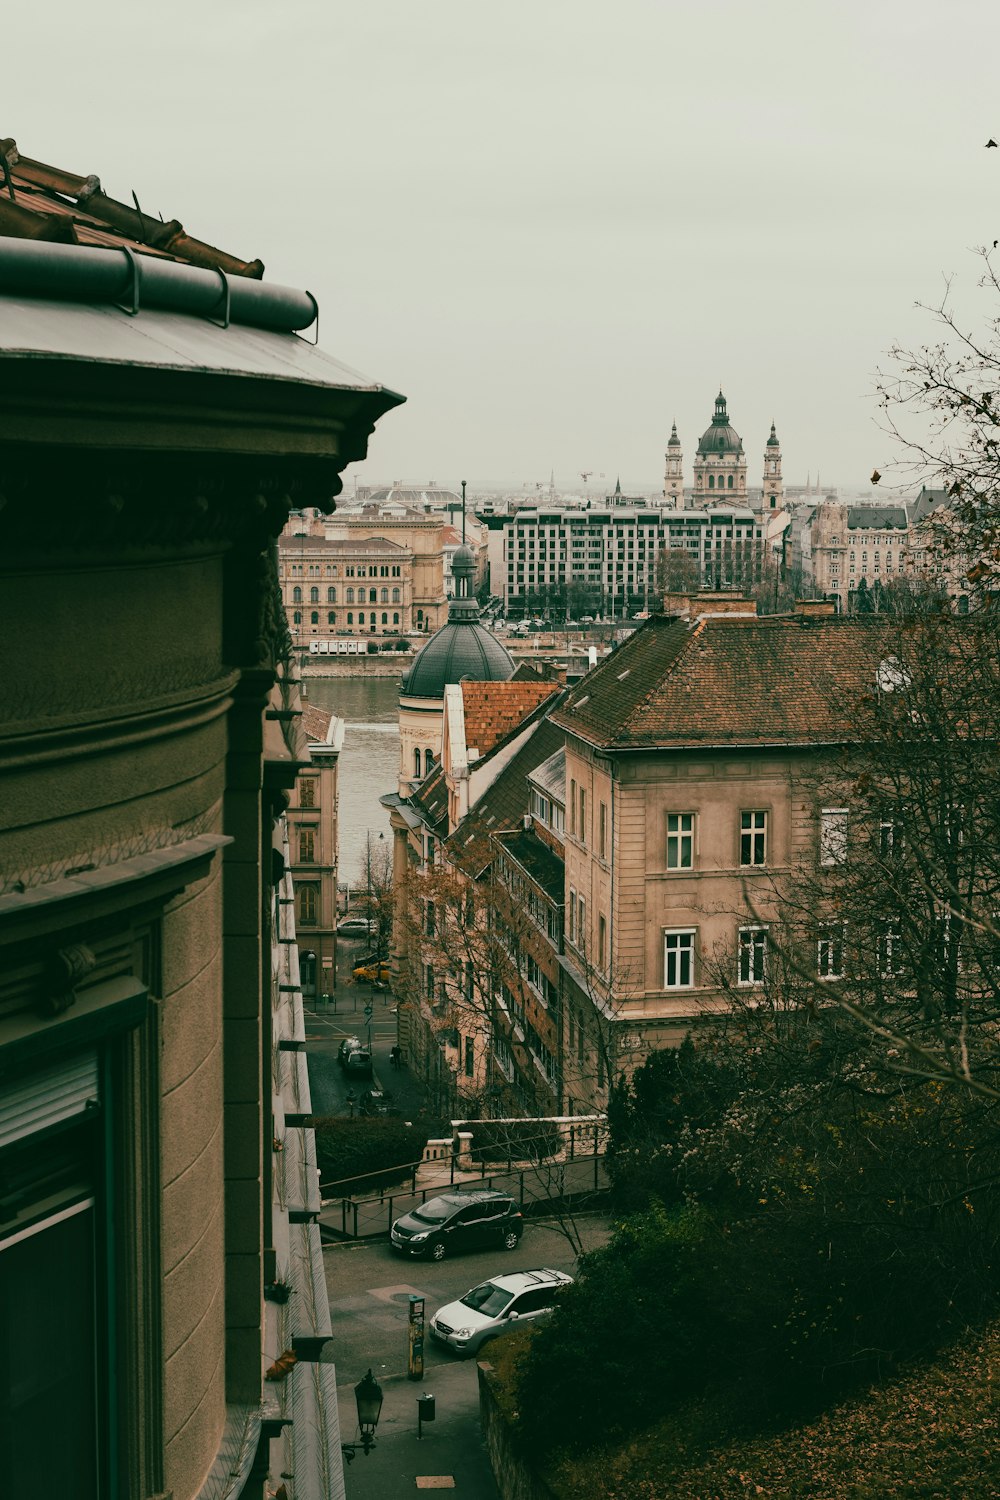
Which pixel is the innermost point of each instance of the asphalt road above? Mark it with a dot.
(370, 1287)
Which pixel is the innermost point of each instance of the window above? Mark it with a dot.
(752, 954)
(395, 596)
(830, 953)
(470, 1056)
(602, 941)
(430, 919)
(307, 791)
(297, 617)
(680, 841)
(350, 617)
(833, 835)
(307, 846)
(308, 904)
(296, 595)
(416, 763)
(331, 596)
(890, 837)
(678, 960)
(350, 596)
(572, 806)
(581, 924)
(314, 596)
(331, 618)
(373, 596)
(314, 617)
(429, 981)
(430, 845)
(428, 761)
(753, 838)
(383, 596)
(583, 816)
(602, 833)
(889, 955)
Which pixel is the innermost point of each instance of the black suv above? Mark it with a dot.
(459, 1221)
(354, 1057)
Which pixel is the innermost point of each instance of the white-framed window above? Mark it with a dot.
(678, 959)
(753, 838)
(680, 841)
(752, 955)
(830, 952)
(833, 835)
(890, 837)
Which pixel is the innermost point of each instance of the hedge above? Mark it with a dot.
(364, 1156)
(523, 1140)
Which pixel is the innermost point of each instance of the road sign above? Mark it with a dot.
(368, 1012)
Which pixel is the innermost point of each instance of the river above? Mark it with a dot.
(369, 761)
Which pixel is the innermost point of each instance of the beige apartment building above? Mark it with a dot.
(692, 759)
(338, 590)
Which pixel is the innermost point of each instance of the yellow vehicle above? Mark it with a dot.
(373, 973)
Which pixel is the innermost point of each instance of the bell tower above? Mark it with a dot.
(773, 492)
(673, 480)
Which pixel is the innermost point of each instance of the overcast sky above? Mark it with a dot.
(557, 225)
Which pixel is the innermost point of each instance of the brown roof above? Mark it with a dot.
(778, 680)
(430, 799)
(39, 202)
(540, 862)
(493, 709)
(316, 722)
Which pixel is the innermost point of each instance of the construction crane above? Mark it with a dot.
(585, 474)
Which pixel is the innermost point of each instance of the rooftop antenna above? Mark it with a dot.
(463, 512)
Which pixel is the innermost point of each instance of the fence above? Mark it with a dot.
(363, 1218)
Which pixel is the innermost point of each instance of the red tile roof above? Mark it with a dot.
(493, 709)
(316, 722)
(39, 202)
(721, 681)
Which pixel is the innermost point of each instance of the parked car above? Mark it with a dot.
(496, 1306)
(354, 927)
(459, 1221)
(376, 1103)
(354, 1056)
(376, 972)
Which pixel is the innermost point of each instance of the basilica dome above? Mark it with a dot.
(462, 648)
(721, 439)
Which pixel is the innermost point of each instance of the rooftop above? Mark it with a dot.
(724, 681)
(537, 860)
(493, 709)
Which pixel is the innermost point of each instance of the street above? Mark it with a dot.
(369, 1288)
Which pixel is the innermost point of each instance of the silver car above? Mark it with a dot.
(496, 1306)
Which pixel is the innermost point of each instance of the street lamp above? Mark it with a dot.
(368, 1396)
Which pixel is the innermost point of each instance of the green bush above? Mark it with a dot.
(364, 1156)
(523, 1140)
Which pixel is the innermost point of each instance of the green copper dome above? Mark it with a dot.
(721, 438)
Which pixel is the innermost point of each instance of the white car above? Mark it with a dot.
(496, 1306)
(354, 927)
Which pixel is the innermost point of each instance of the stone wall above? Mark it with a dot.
(386, 664)
(515, 1478)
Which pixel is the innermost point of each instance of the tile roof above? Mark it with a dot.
(551, 776)
(545, 867)
(503, 805)
(493, 709)
(723, 681)
(430, 799)
(316, 722)
(39, 202)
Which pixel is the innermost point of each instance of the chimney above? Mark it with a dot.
(815, 609)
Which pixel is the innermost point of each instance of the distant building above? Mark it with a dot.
(314, 845)
(421, 533)
(359, 587)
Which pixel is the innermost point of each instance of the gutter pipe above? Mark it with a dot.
(130, 280)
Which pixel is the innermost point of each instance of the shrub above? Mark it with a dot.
(373, 648)
(364, 1156)
(402, 645)
(523, 1140)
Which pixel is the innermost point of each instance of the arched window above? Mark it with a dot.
(296, 595)
(331, 596)
(314, 617)
(331, 618)
(428, 762)
(385, 618)
(350, 617)
(384, 596)
(373, 596)
(308, 904)
(350, 596)
(395, 618)
(395, 596)
(416, 763)
(711, 481)
(314, 596)
(297, 617)
(730, 481)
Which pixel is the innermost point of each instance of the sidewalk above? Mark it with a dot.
(352, 997)
(451, 1450)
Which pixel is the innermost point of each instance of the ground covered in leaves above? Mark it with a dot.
(934, 1433)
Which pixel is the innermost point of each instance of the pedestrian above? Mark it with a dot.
(395, 1055)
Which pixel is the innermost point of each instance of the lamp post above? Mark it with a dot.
(368, 1398)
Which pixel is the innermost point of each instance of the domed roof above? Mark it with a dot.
(673, 441)
(772, 441)
(462, 648)
(720, 438)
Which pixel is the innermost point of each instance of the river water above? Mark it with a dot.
(369, 761)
